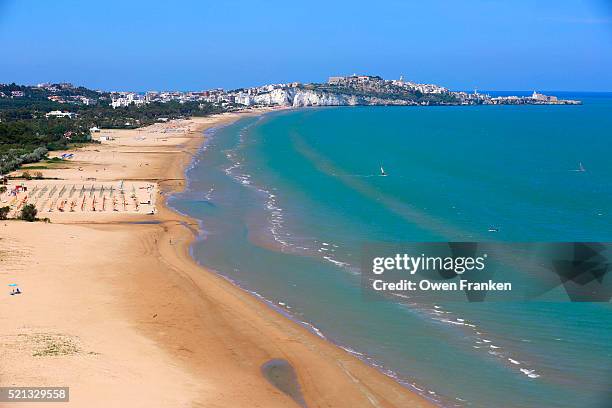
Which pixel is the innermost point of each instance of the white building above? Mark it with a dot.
(243, 99)
(127, 98)
(544, 98)
(60, 114)
(335, 80)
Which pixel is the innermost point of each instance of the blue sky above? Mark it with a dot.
(466, 44)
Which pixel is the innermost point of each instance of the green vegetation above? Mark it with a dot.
(52, 344)
(12, 158)
(132, 116)
(4, 212)
(35, 167)
(28, 213)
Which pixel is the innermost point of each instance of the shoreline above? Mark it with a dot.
(306, 324)
(194, 321)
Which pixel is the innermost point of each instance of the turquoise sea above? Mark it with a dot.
(287, 200)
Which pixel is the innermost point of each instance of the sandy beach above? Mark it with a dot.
(114, 307)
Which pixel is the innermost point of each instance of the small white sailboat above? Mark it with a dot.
(580, 168)
(382, 171)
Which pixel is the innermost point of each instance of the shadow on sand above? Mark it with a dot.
(281, 375)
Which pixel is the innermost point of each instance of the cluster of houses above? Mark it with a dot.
(78, 99)
(376, 81)
(535, 99)
(12, 94)
(73, 99)
(216, 96)
(122, 99)
(53, 88)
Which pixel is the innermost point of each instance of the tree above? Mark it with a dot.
(26, 175)
(38, 175)
(28, 213)
(4, 212)
(2, 189)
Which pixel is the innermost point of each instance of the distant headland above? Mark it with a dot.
(372, 90)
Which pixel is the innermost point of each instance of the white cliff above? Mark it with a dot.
(297, 97)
